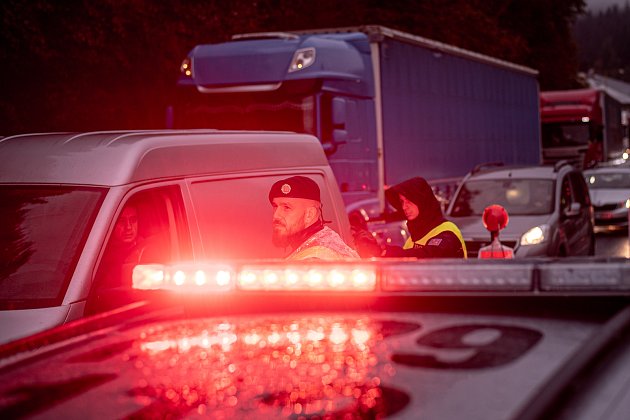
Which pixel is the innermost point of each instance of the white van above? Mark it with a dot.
(199, 194)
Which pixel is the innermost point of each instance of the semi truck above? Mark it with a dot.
(386, 105)
(575, 120)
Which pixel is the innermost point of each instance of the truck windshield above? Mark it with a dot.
(246, 111)
(42, 233)
(525, 197)
(565, 135)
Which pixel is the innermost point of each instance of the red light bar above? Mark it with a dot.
(328, 278)
(220, 278)
(184, 277)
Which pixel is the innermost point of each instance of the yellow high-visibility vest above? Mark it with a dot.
(442, 227)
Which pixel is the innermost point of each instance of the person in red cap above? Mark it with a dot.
(298, 223)
(432, 236)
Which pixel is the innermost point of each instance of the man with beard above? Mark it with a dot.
(432, 236)
(298, 223)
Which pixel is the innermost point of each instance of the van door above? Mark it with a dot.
(234, 215)
(150, 227)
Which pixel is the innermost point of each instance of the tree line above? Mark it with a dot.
(604, 42)
(86, 65)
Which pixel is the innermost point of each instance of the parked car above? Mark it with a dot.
(550, 212)
(609, 189)
(195, 194)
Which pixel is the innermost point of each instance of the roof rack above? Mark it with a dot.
(487, 165)
(265, 35)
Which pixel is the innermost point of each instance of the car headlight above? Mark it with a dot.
(535, 235)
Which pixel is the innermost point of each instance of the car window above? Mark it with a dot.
(580, 189)
(42, 233)
(517, 196)
(235, 215)
(150, 228)
(611, 180)
(566, 195)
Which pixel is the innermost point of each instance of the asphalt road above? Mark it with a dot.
(612, 244)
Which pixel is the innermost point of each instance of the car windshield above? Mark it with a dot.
(525, 197)
(608, 180)
(43, 230)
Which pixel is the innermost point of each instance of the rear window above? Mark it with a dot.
(41, 236)
(523, 197)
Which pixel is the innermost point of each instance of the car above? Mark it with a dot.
(437, 340)
(195, 194)
(549, 209)
(609, 189)
(388, 228)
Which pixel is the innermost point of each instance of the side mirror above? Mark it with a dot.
(573, 210)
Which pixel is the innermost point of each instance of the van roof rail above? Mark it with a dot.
(559, 164)
(487, 165)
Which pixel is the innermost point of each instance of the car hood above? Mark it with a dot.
(15, 324)
(608, 196)
(472, 227)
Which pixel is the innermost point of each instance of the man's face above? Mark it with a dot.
(409, 208)
(289, 218)
(126, 229)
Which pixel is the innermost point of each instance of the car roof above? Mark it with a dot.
(521, 172)
(110, 158)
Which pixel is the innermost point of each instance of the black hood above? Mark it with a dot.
(418, 191)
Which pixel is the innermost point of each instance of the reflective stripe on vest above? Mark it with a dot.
(442, 227)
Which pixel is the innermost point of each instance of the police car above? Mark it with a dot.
(371, 339)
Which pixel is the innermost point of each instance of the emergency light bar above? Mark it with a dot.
(222, 278)
(389, 277)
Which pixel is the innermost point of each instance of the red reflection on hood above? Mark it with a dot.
(308, 366)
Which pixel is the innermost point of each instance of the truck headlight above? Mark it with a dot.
(302, 59)
(535, 235)
(186, 67)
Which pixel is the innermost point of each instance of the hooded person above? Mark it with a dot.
(431, 235)
(298, 223)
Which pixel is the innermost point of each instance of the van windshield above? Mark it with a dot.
(42, 233)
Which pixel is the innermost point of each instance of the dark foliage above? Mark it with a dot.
(82, 65)
(604, 40)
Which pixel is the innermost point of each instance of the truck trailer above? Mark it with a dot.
(575, 120)
(386, 105)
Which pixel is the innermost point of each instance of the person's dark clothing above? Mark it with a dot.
(432, 236)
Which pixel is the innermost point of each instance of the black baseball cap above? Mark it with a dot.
(295, 187)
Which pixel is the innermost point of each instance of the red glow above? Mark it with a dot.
(320, 366)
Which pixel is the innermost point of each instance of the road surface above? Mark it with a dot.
(612, 244)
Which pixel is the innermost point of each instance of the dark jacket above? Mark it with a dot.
(446, 244)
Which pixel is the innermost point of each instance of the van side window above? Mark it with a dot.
(149, 228)
(234, 216)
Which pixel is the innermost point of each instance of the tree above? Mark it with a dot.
(83, 65)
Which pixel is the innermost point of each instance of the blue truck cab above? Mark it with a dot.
(386, 105)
